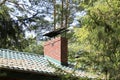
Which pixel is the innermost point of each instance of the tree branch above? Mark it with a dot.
(3, 2)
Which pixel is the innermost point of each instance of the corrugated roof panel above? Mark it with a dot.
(31, 62)
(23, 61)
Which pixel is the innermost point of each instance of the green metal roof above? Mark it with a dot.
(24, 61)
(28, 62)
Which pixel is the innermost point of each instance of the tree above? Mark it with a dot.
(10, 32)
(2, 2)
(17, 19)
(33, 47)
(100, 36)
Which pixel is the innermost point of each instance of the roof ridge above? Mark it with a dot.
(27, 53)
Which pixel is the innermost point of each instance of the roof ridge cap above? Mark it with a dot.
(27, 53)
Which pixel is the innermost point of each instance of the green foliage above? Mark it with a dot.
(100, 37)
(36, 49)
(12, 31)
(33, 47)
(11, 34)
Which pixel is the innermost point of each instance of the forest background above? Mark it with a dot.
(94, 30)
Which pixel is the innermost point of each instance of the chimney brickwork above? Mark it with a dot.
(56, 50)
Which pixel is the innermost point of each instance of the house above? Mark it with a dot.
(26, 66)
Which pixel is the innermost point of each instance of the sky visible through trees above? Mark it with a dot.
(95, 35)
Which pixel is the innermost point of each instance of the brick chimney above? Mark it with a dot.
(55, 50)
